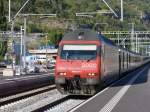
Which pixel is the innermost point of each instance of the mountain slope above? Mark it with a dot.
(134, 11)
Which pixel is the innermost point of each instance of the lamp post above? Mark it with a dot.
(21, 43)
(13, 46)
(24, 44)
(121, 19)
(132, 36)
(12, 28)
(9, 11)
(46, 54)
(136, 42)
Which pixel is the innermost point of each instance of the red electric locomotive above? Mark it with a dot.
(87, 61)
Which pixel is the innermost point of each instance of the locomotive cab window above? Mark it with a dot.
(79, 52)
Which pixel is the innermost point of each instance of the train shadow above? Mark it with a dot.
(142, 78)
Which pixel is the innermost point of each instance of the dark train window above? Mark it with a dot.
(123, 60)
(79, 52)
(127, 60)
(99, 50)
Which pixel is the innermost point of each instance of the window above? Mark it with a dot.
(79, 52)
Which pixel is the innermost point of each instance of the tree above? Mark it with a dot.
(3, 26)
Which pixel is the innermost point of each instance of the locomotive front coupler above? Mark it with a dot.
(76, 82)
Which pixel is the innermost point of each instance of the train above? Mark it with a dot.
(88, 61)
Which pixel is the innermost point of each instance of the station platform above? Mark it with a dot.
(129, 94)
(23, 76)
(10, 85)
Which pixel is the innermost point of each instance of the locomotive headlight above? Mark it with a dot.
(91, 74)
(62, 73)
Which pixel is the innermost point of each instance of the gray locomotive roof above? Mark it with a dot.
(87, 34)
(84, 33)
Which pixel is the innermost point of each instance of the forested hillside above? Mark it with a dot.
(3, 27)
(137, 11)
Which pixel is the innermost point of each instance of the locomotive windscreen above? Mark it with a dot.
(79, 52)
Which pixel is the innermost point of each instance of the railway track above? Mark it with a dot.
(18, 101)
(46, 99)
(18, 85)
(64, 105)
